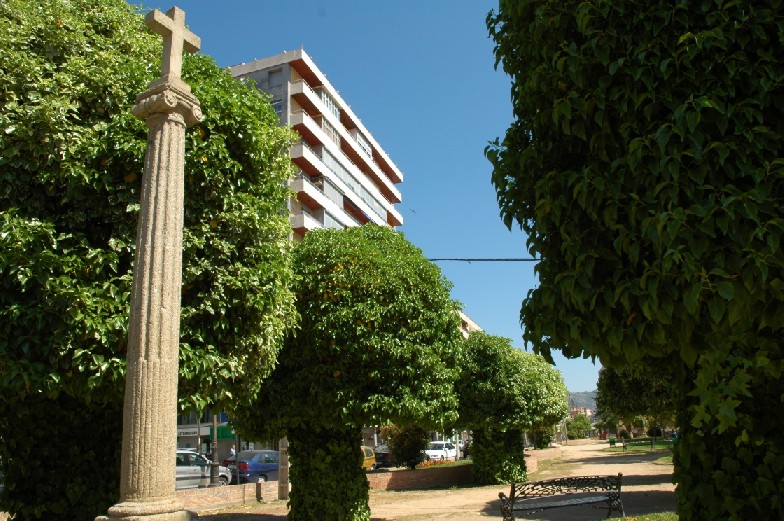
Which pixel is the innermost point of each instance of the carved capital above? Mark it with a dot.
(168, 97)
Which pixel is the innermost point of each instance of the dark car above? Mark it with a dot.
(252, 466)
(383, 457)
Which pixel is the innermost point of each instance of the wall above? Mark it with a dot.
(217, 497)
(434, 477)
(398, 479)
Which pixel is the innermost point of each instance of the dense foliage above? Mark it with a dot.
(579, 426)
(376, 344)
(648, 391)
(406, 444)
(71, 162)
(645, 166)
(503, 392)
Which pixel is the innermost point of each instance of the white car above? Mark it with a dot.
(193, 470)
(441, 450)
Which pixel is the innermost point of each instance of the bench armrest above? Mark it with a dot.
(507, 507)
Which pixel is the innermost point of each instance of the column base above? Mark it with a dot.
(167, 509)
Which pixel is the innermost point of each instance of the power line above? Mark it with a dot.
(485, 260)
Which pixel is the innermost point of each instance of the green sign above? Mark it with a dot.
(224, 433)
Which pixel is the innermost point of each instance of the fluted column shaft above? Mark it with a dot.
(148, 466)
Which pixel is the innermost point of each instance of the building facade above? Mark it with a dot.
(344, 177)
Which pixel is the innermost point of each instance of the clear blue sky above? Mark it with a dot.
(420, 76)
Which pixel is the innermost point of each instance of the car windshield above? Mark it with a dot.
(246, 455)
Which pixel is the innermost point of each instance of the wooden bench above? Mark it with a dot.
(527, 497)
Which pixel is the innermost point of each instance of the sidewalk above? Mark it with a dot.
(647, 488)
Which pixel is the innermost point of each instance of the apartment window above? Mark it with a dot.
(330, 130)
(329, 102)
(277, 104)
(275, 77)
(363, 144)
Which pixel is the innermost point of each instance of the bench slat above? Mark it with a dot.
(524, 505)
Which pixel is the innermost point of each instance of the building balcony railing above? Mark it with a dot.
(321, 161)
(357, 149)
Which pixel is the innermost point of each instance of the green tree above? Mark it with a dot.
(579, 426)
(503, 393)
(71, 162)
(406, 444)
(643, 391)
(645, 166)
(377, 344)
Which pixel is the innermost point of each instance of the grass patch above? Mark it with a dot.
(666, 460)
(659, 447)
(662, 516)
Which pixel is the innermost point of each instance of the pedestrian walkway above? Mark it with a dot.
(647, 488)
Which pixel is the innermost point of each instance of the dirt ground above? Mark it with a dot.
(647, 488)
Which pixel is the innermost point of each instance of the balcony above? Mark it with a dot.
(303, 223)
(314, 164)
(312, 104)
(309, 193)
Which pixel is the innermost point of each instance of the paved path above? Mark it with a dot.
(647, 488)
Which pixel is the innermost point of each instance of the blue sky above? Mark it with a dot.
(419, 74)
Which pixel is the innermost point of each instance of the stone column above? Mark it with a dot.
(149, 441)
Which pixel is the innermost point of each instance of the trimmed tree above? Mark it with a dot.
(407, 444)
(71, 162)
(646, 166)
(377, 344)
(503, 393)
(626, 393)
(579, 426)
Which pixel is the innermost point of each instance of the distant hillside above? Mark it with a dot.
(583, 399)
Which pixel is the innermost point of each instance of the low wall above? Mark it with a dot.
(432, 477)
(217, 497)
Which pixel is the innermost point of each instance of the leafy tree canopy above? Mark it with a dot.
(579, 426)
(377, 343)
(71, 163)
(502, 387)
(626, 393)
(646, 166)
(503, 392)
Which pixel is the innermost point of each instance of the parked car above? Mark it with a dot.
(193, 470)
(441, 450)
(369, 458)
(383, 457)
(252, 466)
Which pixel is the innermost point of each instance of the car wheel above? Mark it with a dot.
(262, 478)
(223, 481)
(442, 457)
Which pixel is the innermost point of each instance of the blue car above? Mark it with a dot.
(252, 466)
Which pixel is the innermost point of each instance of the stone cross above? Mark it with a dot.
(149, 440)
(176, 38)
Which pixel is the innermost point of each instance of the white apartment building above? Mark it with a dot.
(345, 178)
